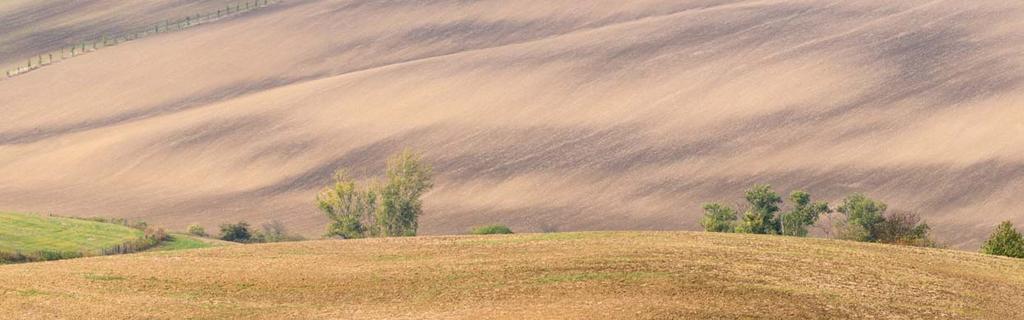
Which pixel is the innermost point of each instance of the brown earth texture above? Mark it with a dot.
(543, 115)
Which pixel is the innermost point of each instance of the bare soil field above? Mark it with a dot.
(542, 115)
(607, 275)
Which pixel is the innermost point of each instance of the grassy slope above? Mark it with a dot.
(31, 233)
(562, 275)
(179, 241)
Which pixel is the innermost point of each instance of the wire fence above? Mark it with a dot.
(86, 46)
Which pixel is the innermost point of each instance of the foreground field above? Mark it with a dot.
(557, 275)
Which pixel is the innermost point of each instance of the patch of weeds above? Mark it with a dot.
(30, 293)
(398, 257)
(244, 286)
(600, 276)
(525, 238)
(103, 277)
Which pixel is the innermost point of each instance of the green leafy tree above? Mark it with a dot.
(408, 178)
(350, 209)
(381, 210)
(718, 218)
(1005, 241)
(238, 232)
(764, 205)
(863, 217)
(804, 214)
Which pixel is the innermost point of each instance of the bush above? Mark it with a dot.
(197, 230)
(155, 234)
(904, 228)
(1005, 241)
(718, 218)
(867, 221)
(491, 229)
(274, 231)
(238, 232)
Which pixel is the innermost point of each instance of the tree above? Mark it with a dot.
(761, 218)
(904, 228)
(718, 218)
(380, 210)
(863, 217)
(804, 214)
(1005, 241)
(274, 231)
(408, 178)
(197, 230)
(238, 232)
(350, 209)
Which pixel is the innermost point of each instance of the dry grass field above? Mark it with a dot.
(606, 275)
(563, 114)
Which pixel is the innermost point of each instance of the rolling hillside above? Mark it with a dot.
(536, 276)
(32, 27)
(558, 114)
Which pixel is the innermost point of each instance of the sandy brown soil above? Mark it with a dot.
(538, 276)
(537, 114)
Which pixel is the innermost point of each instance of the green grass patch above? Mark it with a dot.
(30, 293)
(491, 229)
(34, 233)
(103, 277)
(181, 242)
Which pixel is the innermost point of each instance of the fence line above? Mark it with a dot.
(87, 46)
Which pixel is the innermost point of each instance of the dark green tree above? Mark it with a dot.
(904, 228)
(764, 205)
(718, 218)
(804, 214)
(863, 218)
(1005, 241)
(238, 232)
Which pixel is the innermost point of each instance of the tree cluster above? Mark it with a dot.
(866, 218)
(765, 215)
(273, 231)
(379, 209)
